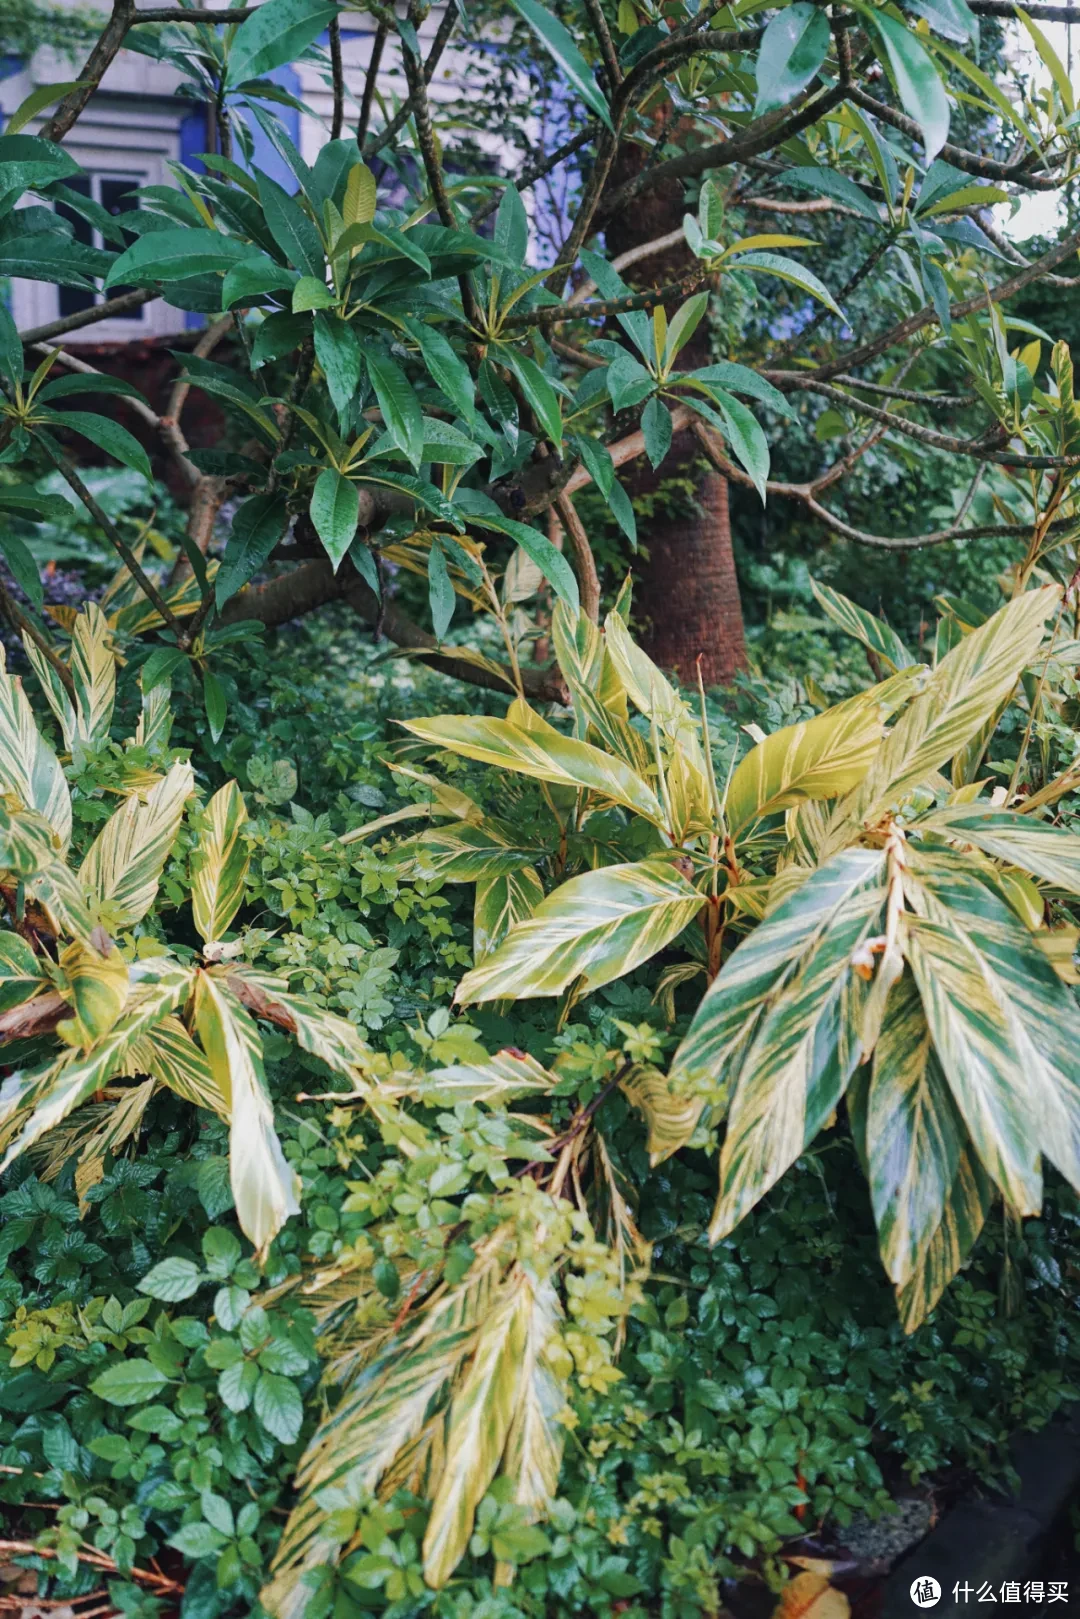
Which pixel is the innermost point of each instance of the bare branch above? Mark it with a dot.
(123, 304)
(987, 168)
(633, 255)
(405, 112)
(370, 82)
(553, 314)
(97, 64)
(585, 562)
(338, 76)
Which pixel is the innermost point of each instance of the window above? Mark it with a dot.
(113, 193)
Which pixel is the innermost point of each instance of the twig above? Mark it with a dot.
(553, 314)
(404, 113)
(338, 75)
(145, 1576)
(369, 85)
(123, 304)
(24, 625)
(987, 168)
(588, 579)
(633, 255)
(114, 536)
(97, 64)
(537, 171)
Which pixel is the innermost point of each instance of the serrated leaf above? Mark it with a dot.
(128, 1382)
(171, 1280)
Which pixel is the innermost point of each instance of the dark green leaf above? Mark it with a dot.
(440, 592)
(256, 528)
(279, 31)
(108, 436)
(656, 426)
(555, 38)
(338, 354)
(335, 506)
(291, 228)
(23, 567)
(175, 255)
(399, 405)
(790, 56)
(216, 706)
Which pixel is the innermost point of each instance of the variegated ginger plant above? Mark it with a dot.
(887, 922)
(97, 1013)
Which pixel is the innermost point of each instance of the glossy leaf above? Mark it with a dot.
(918, 85)
(555, 38)
(335, 511)
(792, 50)
(595, 927)
(818, 758)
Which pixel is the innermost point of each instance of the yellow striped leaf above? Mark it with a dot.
(595, 927)
(873, 632)
(587, 668)
(124, 863)
(964, 690)
(498, 904)
(756, 973)
(121, 1123)
(966, 1207)
(45, 1096)
(170, 1055)
(1048, 852)
(96, 984)
(334, 1040)
(545, 755)
(481, 1415)
(977, 1049)
(802, 1056)
(465, 852)
(155, 720)
(29, 769)
(819, 758)
(671, 1117)
(264, 1186)
(54, 689)
(914, 1136)
(219, 863)
(534, 1445)
(1041, 1013)
(20, 972)
(93, 674)
(653, 695)
(499, 1080)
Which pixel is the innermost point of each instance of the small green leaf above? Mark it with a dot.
(335, 507)
(256, 528)
(279, 1407)
(311, 293)
(171, 1280)
(656, 427)
(216, 706)
(399, 405)
(440, 591)
(129, 1382)
(277, 33)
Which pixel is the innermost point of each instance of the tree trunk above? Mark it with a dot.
(687, 594)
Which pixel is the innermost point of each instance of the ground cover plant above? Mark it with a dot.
(547, 1142)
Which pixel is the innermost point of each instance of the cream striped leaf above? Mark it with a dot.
(586, 667)
(914, 1137)
(28, 849)
(534, 1445)
(45, 1096)
(873, 632)
(653, 695)
(975, 1042)
(96, 984)
(93, 674)
(465, 852)
(499, 1080)
(54, 689)
(481, 1415)
(802, 1056)
(545, 755)
(21, 972)
(595, 927)
(966, 1207)
(819, 758)
(964, 690)
(380, 1414)
(334, 1040)
(155, 721)
(29, 769)
(671, 1117)
(121, 1123)
(498, 904)
(1048, 852)
(219, 863)
(264, 1186)
(1041, 1011)
(124, 863)
(756, 973)
(170, 1055)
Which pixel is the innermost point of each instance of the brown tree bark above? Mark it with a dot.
(687, 595)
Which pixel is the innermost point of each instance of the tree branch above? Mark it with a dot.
(123, 304)
(987, 168)
(402, 116)
(97, 64)
(370, 82)
(338, 76)
(585, 562)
